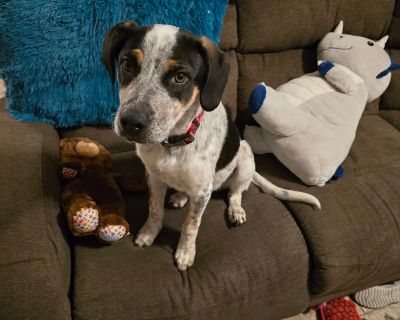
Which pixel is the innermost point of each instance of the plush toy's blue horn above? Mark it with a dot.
(393, 66)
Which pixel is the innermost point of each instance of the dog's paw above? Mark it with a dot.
(236, 215)
(147, 235)
(177, 200)
(184, 256)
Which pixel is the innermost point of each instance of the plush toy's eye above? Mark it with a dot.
(341, 37)
(370, 43)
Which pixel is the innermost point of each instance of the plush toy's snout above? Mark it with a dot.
(87, 149)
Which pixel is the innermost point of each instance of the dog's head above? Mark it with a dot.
(163, 73)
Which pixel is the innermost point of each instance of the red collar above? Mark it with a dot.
(187, 137)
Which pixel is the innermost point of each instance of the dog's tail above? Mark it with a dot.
(284, 194)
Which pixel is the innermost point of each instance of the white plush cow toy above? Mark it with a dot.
(309, 123)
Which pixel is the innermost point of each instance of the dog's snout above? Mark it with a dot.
(134, 122)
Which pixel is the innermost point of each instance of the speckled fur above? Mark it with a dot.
(190, 169)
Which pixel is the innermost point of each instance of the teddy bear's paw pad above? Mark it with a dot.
(112, 233)
(85, 220)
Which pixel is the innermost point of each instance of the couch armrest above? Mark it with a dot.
(34, 252)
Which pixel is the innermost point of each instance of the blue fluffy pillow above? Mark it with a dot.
(50, 53)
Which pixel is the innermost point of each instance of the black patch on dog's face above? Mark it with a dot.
(190, 64)
(126, 58)
(123, 35)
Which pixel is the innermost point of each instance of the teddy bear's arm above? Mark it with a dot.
(337, 77)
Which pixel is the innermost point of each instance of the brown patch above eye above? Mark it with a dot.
(195, 93)
(138, 54)
(170, 64)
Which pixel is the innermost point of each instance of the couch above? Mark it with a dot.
(285, 259)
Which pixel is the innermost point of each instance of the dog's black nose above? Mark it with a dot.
(133, 122)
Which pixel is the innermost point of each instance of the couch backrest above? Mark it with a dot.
(275, 41)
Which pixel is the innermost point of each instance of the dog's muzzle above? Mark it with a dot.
(133, 123)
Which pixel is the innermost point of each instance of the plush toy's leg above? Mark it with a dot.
(112, 228)
(273, 111)
(253, 135)
(82, 214)
(112, 225)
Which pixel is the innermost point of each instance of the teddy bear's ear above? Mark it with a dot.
(63, 142)
(382, 41)
(339, 28)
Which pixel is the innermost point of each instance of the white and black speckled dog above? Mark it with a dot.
(167, 78)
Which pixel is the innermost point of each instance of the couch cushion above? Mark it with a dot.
(391, 116)
(295, 24)
(391, 97)
(229, 37)
(229, 97)
(256, 271)
(34, 253)
(355, 239)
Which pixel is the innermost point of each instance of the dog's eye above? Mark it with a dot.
(128, 65)
(370, 43)
(180, 77)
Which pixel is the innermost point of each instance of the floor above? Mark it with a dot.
(391, 312)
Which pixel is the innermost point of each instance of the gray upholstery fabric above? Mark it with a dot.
(354, 240)
(249, 272)
(391, 98)
(35, 263)
(229, 36)
(391, 116)
(276, 25)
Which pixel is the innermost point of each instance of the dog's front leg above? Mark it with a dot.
(153, 225)
(186, 250)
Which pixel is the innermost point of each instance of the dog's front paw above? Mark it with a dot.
(177, 200)
(147, 235)
(184, 255)
(236, 215)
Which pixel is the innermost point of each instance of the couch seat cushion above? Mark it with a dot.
(256, 271)
(354, 240)
(391, 116)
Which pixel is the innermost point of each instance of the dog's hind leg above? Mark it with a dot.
(238, 182)
(178, 200)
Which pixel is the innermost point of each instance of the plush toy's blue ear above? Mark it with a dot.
(257, 98)
(393, 66)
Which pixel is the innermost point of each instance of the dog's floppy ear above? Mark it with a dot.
(217, 69)
(114, 41)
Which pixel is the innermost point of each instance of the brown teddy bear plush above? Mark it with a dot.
(91, 198)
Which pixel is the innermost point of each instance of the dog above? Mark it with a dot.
(170, 88)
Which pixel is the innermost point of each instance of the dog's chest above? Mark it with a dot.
(175, 169)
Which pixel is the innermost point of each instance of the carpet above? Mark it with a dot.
(391, 312)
